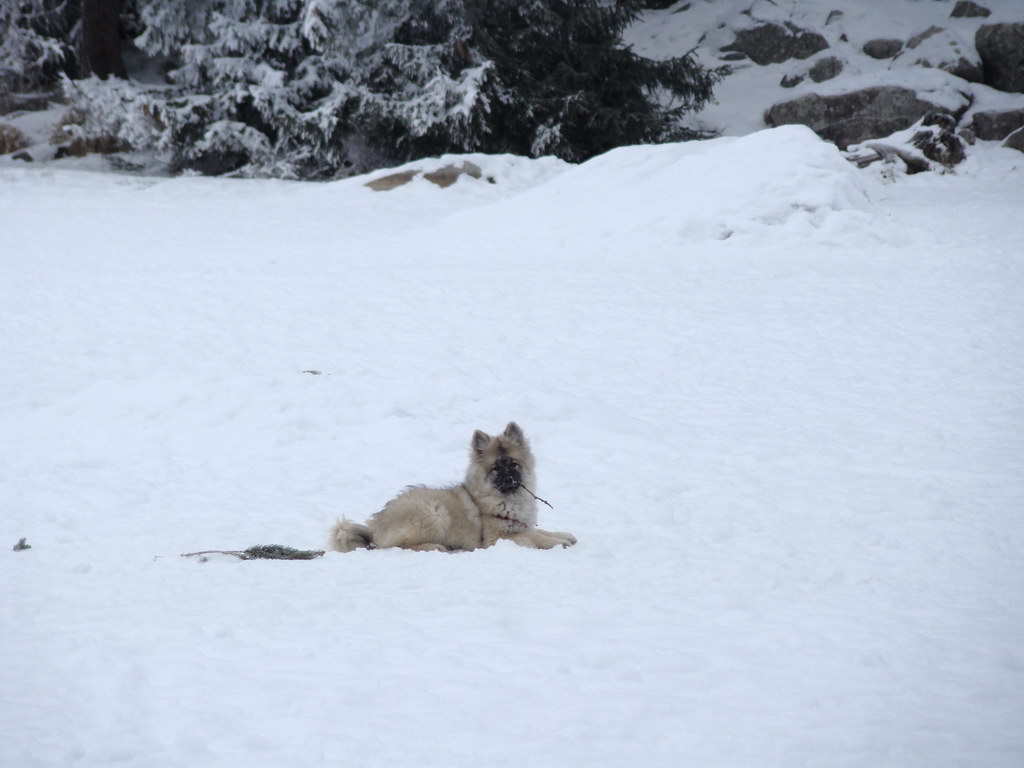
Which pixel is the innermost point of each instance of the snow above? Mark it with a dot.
(792, 457)
(680, 194)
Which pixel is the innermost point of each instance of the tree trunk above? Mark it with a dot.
(101, 37)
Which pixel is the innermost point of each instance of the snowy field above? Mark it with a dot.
(779, 402)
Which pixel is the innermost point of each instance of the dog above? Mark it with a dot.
(494, 502)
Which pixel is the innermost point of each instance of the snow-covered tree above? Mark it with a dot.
(35, 45)
(531, 77)
(319, 88)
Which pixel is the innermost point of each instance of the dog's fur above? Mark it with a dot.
(491, 504)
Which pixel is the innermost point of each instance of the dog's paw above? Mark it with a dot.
(565, 539)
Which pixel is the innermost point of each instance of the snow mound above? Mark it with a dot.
(785, 180)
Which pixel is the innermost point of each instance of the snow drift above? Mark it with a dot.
(674, 195)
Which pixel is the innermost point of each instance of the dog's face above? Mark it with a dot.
(504, 461)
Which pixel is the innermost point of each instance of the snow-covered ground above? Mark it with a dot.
(777, 400)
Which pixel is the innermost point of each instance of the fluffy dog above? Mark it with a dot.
(494, 502)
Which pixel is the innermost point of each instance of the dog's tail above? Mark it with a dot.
(346, 536)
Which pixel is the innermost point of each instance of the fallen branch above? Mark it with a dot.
(262, 552)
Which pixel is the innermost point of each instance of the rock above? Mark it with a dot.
(23, 155)
(825, 69)
(883, 48)
(445, 177)
(965, 9)
(791, 81)
(1015, 140)
(1001, 47)
(775, 43)
(442, 177)
(833, 16)
(851, 118)
(995, 125)
(391, 181)
(967, 135)
(733, 56)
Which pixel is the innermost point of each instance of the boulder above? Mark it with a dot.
(791, 81)
(965, 9)
(883, 48)
(851, 118)
(825, 69)
(775, 43)
(1001, 48)
(1015, 140)
(995, 125)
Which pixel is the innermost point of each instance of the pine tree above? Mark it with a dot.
(35, 43)
(530, 77)
(321, 88)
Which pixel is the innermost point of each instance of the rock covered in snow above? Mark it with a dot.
(851, 118)
(823, 69)
(775, 43)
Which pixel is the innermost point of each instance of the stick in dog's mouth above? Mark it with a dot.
(538, 498)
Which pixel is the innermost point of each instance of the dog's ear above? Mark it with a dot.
(480, 441)
(515, 433)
